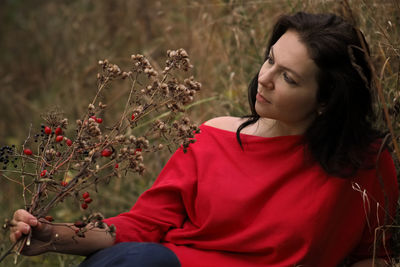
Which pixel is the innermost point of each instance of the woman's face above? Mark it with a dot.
(287, 84)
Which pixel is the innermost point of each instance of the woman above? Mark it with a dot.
(293, 184)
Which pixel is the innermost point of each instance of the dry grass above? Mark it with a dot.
(50, 50)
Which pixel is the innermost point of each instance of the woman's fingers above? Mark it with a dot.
(14, 236)
(22, 223)
(18, 229)
(24, 216)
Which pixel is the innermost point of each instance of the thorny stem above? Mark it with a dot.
(21, 172)
(81, 179)
(126, 108)
(9, 251)
(102, 85)
(23, 167)
(129, 99)
(15, 181)
(65, 161)
(155, 107)
(100, 88)
(162, 81)
(63, 192)
(169, 112)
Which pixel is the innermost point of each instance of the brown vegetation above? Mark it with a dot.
(50, 52)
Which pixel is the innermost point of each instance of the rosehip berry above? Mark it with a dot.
(84, 206)
(59, 138)
(80, 224)
(69, 142)
(116, 165)
(99, 120)
(47, 130)
(138, 149)
(106, 152)
(85, 195)
(88, 200)
(43, 173)
(133, 116)
(93, 117)
(58, 131)
(64, 183)
(49, 218)
(27, 151)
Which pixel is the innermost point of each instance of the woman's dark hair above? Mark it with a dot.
(340, 137)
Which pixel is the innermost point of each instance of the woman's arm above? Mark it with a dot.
(61, 238)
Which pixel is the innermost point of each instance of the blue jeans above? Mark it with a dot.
(134, 254)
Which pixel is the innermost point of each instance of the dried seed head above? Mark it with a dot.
(120, 138)
(112, 229)
(177, 59)
(102, 106)
(132, 139)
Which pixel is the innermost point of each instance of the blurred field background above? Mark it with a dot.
(49, 52)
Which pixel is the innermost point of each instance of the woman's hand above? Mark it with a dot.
(57, 237)
(22, 224)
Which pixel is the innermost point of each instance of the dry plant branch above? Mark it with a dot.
(63, 167)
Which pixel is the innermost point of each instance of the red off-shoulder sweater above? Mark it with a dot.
(266, 205)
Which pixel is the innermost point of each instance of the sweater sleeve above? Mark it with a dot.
(162, 207)
(381, 204)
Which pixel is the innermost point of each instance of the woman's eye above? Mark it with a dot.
(288, 79)
(270, 60)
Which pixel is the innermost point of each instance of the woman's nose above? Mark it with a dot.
(266, 79)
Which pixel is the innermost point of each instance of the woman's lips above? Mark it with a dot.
(261, 99)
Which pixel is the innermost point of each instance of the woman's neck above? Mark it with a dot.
(266, 127)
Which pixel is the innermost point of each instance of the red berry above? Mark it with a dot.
(43, 173)
(58, 131)
(99, 120)
(69, 142)
(59, 138)
(93, 117)
(49, 218)
(64, 183)
(47, 130)
(27, 151)
(84, 206)
(116, 165)
(88, 200)
(106, 152)
(138, 149)
(80, 224)
(85, 195)
(133, 116)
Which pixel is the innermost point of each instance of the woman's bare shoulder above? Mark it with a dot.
(225, 123)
